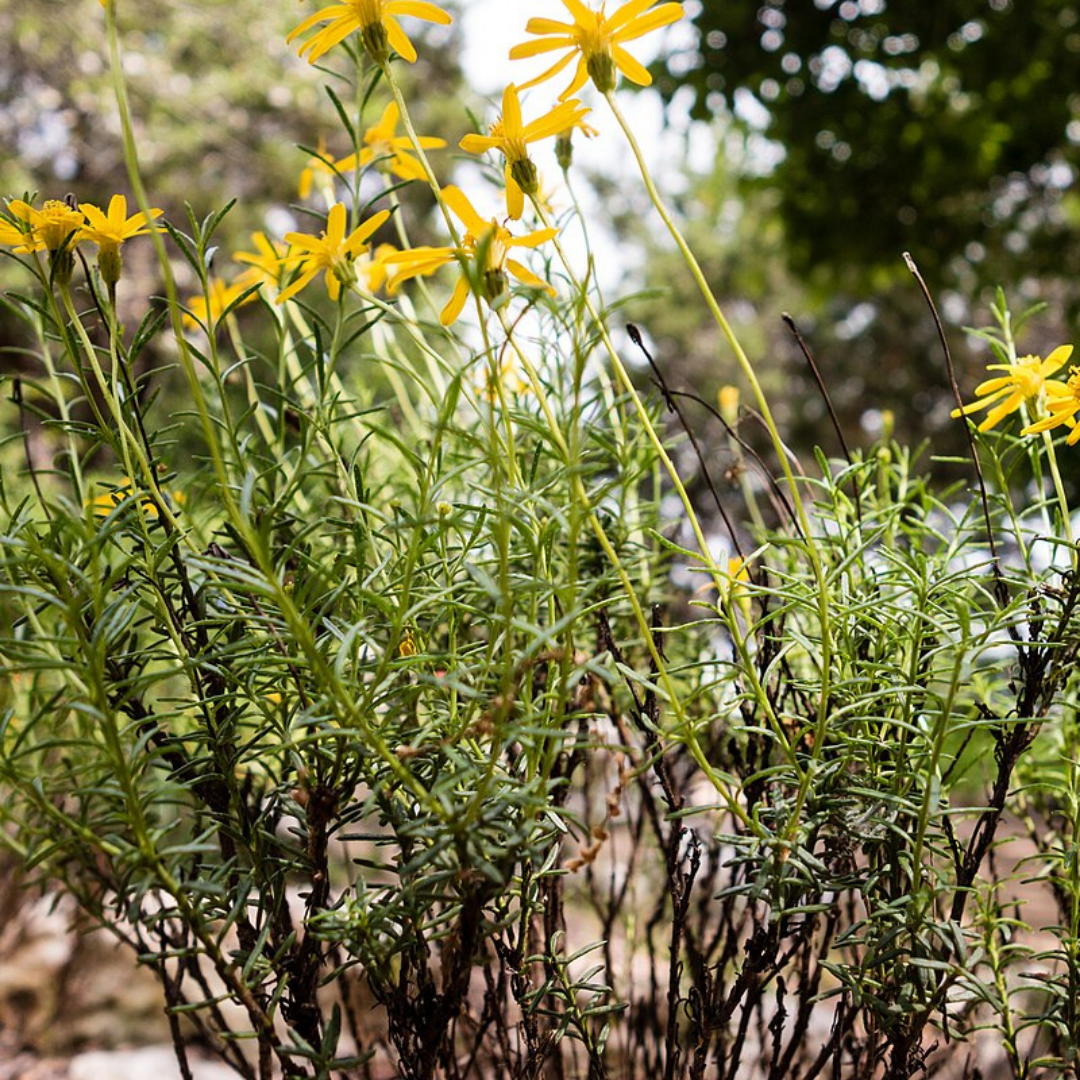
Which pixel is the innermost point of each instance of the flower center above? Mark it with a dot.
(1027, 376)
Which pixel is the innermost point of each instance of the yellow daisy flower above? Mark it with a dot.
(55, 226)
(204, 312)
(486, 245)
(20, 237)
(596, 39)
(388, 150)
(331, 252)
(104, 504)
(265, 262)
(111, 230)
(318, 165)
(371, 267)
(376, 21)
(511, 138)
(1062, 408)
(1027, 383)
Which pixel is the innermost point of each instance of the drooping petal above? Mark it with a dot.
(999, 412)
(515, 197)
(550, 72)
(398, 40)
(634, 71)
(449, 314)
(303, 280)
(581, 77)
(527, 277)
(407, 167)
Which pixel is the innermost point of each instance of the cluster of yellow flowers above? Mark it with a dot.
(59, 227)
(1048, 403)
(596, 39)
(344, 257)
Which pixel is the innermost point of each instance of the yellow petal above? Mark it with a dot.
(664, 15)
(999, 412)
(527, 277)
(450, 313)
(535, 48)
(398, 41)
(635, 72)
(1056, 359)
(455, 198)
(419, 9)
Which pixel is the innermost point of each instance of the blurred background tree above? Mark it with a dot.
(848, 132)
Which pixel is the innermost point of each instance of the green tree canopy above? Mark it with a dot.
(949, 129)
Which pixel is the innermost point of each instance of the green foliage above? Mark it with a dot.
(940, 129)
(370, 690)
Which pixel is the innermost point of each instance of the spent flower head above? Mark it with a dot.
(511, 137)
(1026, 383)
(596, 39)
(485, 249)
(331, 252)
(376, 21)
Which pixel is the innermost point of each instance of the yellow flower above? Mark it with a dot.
(375, 19)
(110, 230)
(728, 399)
(55, 226)
(371, 267)
(319, 164)
(508, 376)
(1026, 383)
(388, 150)
(22, 238)
(332, 251)
(486, 245)
(1062, 408)
(596, 39)
(407, 645)
(206, 311)
(266, 261)
(511, 138)
(103, 505)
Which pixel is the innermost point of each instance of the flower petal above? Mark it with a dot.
(634, 71)
(449, 314)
